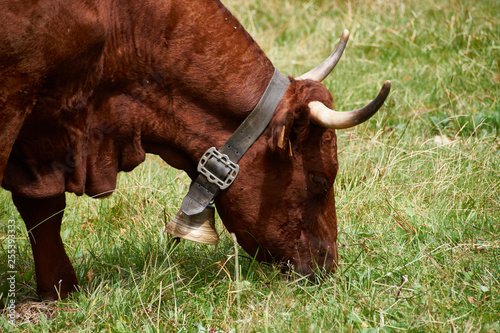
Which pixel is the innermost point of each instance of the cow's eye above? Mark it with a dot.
(319, 181)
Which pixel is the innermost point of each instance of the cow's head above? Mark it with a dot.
(282, 204)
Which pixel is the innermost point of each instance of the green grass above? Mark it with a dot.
(418, 195)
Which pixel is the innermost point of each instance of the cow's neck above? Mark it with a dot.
(197, 70)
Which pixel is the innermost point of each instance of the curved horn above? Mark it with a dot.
(322, 70)
(326, 117)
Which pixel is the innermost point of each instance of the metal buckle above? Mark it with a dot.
(221, 158)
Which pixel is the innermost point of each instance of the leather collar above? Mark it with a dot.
(219, 168)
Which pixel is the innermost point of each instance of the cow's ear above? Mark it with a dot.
(288, 130)
(280, 138)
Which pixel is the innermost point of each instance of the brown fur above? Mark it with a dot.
(89, 87)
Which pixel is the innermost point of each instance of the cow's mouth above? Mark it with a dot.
(316, 260)
(313, 271)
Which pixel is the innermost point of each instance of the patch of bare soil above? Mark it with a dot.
(28, 311)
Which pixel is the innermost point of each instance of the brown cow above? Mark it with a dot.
(88, 87)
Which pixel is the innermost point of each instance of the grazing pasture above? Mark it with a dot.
(418, 195)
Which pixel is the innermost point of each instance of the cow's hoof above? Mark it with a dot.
(57, 292)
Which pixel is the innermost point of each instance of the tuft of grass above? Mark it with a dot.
(418, 195)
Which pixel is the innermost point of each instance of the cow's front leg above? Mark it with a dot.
(54, 273)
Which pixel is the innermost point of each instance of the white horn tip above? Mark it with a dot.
(386, 87)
